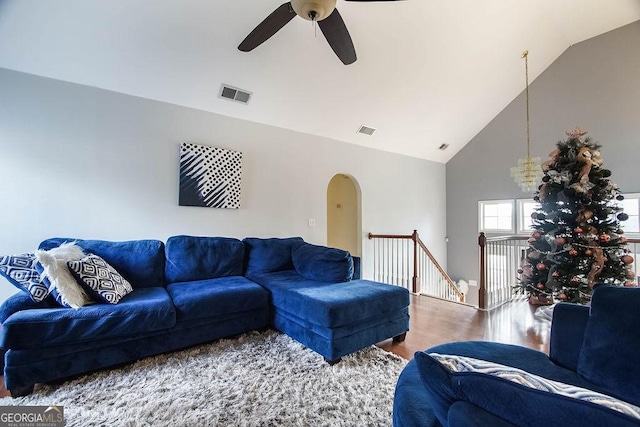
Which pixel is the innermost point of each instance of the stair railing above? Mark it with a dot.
(404, 260)
(500, 259)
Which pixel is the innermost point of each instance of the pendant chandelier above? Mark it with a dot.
(527, 172)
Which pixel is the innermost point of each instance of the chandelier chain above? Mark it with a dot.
(525, 55)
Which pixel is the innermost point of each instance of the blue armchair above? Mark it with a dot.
(591, 376)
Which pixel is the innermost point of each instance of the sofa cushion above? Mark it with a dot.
(331, 304)
(20, 271)
(142, 311)
(322, 263)
(609, 356)
(99, 279)
(190, 258)
(516, 396)
(268, 255)
(216, 297)
(21, 301)
(52, 265)
(141, 262)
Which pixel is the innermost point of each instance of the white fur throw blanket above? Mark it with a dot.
(54, 262)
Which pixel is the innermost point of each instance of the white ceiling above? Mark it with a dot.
(428, 71)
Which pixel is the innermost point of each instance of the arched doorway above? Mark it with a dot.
(344, 214)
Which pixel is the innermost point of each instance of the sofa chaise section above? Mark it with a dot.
(315, 301)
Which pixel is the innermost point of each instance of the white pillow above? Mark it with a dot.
(54, 263)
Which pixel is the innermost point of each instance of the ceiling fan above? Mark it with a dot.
(323, 12)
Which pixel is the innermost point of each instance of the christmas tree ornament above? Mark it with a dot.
(573, 252)
(604, 238)
(627, 259)
(541, 266)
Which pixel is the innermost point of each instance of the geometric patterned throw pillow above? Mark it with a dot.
(20, 270)
(100, 279)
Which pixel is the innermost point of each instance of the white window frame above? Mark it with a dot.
(522, 227)
(481, 208)
(635, 196)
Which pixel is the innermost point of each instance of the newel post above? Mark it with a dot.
(414, 281)
(482, 291)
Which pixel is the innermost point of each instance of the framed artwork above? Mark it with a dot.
(209, 176)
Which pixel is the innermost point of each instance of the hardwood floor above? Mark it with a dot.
(434, 321)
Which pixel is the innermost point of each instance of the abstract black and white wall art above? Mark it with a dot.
(209, 176)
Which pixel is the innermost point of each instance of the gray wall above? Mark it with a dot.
(77, 161)
(595, 85)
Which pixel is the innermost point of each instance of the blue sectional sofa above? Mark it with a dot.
(590, 378)
(193, 290)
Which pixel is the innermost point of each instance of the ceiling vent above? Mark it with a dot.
(367, 130)
(443, 147)
(234, 94)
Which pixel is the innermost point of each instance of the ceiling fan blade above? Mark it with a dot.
(267, 28)
(338, 37)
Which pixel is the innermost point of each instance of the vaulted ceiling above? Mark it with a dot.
(428, 72)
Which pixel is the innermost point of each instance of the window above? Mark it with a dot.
(524, 210)
(631, 206)
(496, 216)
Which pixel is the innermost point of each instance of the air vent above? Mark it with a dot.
(443, 147)
(234, 94)
(367, 130)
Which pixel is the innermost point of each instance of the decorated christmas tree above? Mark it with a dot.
(576, 241)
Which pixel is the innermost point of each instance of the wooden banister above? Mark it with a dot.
(451, 283)
(419, 244)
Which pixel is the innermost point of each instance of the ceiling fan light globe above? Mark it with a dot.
(313, 10)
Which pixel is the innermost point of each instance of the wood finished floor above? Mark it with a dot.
(434, 321)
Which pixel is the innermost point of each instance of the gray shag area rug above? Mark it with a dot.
(256, 379)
